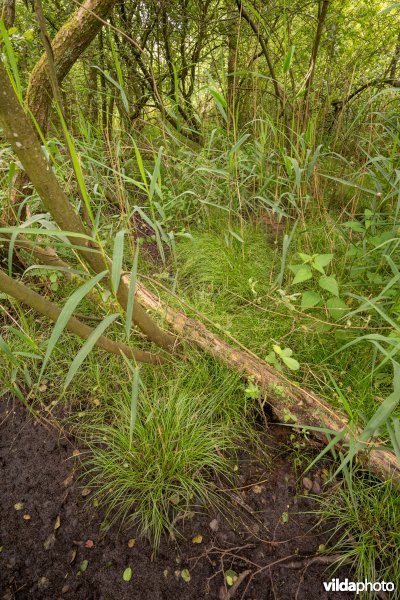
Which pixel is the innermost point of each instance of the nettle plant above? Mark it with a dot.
(325, 290)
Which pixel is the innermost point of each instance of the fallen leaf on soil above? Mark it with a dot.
(85, 492)
(89, 544)
(231, 577)
(213, 525)
(57, 523)
(68, 480)
(65, 589)
(43, 583)
(165, 572)
(19, 505)
(27, 517)
(49, 542)
(72, 555)
(83, 566)
(185, 575)
(127, 574)
(285, 517)
(257, 489)
(131, 543)
(76, 452)
(307, 483)
(197, 539)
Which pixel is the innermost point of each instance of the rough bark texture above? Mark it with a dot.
(322, 12)
(67, 46)
(20, 134)
(27, 296)
(284, 397)
(8, 13)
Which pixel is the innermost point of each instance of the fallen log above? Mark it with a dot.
(285, 397)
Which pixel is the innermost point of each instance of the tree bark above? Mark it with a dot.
(247, 17)
(20, 134)
(67, 46)
(322, 12)
(24, 294)
(288, 401)
(8, 13)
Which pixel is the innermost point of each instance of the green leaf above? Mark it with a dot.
(320, 261)
(329, 284)
(303, 274)
(288, 59)
(310, 299)
(131, 293)
(134, 402)
(277, 349)
(87, 347)
(337, 308)
(11, 59)
(185, 575)
(272, 360)
(118, 256)
(305, 257)
(292, 363)
(83, 566)
(286, 352)
(354, 226)
(67, 313)
(230, 577)
(127, 574)
(323, 259)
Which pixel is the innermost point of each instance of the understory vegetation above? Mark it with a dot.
(271, 215)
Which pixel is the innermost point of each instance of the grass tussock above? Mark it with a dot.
(185, 439)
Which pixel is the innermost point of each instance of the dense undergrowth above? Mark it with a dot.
(285, 242)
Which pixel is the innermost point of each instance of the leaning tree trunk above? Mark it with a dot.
(19, 132)
(289, 401)
(67, 46)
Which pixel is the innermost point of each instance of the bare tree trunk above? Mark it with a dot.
(395, 60)
(8, 13)
(247, 17)
(67, 46)
(322, 12)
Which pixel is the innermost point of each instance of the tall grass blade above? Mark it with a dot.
(87, 347)
(131, 293)
(118, 257)
(67, 313)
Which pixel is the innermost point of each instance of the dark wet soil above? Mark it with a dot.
(49, 533)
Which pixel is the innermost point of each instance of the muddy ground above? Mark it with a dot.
(53, 546)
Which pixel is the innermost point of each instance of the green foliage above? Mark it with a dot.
(365, 514)
(149, 474)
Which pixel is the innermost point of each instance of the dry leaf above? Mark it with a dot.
(19, 505)
(27, 517)
(58, 522)
(131, 543)
(85, 492)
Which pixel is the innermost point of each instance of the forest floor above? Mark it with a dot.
(53, 544)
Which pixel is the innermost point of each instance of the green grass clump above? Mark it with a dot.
(366, 518)
(190, 423)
